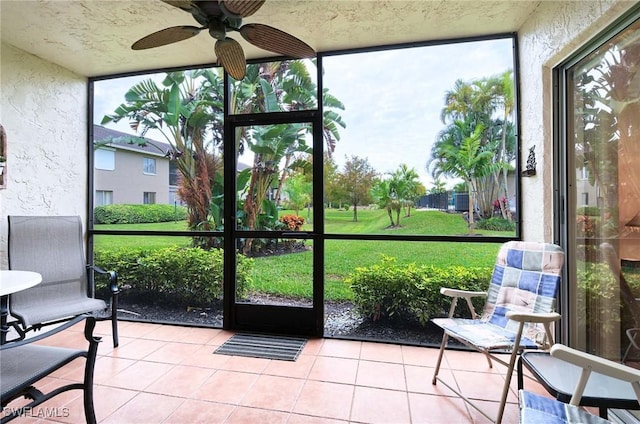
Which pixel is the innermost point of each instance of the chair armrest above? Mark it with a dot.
(533, 317)
(113, 278)
(70, 323)
(466, 295)
(595, 363)
(461, 293)
(591, 363)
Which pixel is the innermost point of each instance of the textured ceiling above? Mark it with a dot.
(93, 37)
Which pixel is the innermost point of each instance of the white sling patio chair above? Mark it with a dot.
(53, 246)
(518, 311)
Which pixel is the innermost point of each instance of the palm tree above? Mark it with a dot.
(475, 103)
(408, 186)
(187, 110)
(385, 197)
(272, 87)
(467, 161)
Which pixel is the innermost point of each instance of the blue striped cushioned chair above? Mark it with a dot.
(518, 312)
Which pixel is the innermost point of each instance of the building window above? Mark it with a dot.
(149, 198)
(103, 197)
(105, 159)
(585, 199)
(149, 166)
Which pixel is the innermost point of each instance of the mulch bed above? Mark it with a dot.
(342, 320)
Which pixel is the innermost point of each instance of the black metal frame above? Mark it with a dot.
(234, 315)
(31, 376)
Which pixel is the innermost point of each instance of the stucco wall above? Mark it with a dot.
(43, 109)
(555, 31)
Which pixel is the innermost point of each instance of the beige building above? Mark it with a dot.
(129, 173)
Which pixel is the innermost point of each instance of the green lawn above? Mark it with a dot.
(292, 274)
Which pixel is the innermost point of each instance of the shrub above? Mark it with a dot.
(603, 310)
(187, 276)
(588, 210)
(388, 290)
(496, 224)
(138, 214)
(292, 222)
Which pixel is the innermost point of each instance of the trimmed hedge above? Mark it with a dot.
(187, 276)
(392, 291)
(138, 214)
(496, 224)
(601, 306)
(588, 210)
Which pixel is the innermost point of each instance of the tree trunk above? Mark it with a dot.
(471, 220)
(390, 213)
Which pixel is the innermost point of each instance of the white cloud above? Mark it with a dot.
(393, 98)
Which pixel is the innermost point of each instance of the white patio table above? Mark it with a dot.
(12, 281)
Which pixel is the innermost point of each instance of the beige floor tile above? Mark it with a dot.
(423, 356)
(340, 348)
(273, 393)
(299, 368)
(321, 399)
(429, 409)
(244, 415)
(478, 385)
(381, 375)
(204, 357)
(180, 381)
(245, 364)
(419, 380)
(382, 352)
(137, 349)
(336, 370)
(200, 412)
(226, 387)
(145, 408)
(380, 406)
(139, 375)
(173, 353)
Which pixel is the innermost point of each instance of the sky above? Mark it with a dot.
(393, 98)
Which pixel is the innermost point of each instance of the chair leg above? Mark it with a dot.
(507, 377)
(445, 337)
(507, 385)
(114, 319)
(89, 411)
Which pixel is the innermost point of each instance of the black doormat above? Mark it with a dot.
(263, 346)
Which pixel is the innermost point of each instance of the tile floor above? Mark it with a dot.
(169, 374)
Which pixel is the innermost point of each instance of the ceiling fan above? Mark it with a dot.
(220, 17)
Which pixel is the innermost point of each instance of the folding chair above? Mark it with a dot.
(537, 409)
(53, 246)
(518, 311)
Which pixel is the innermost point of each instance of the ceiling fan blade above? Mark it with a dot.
(231, 57)
(242, 8)
(166, 36)
(185, 5)
(274, 40)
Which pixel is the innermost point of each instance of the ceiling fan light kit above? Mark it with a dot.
(220, 17)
